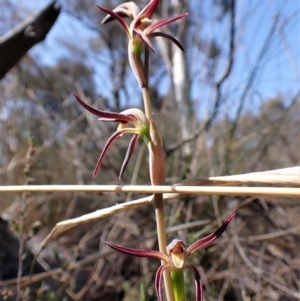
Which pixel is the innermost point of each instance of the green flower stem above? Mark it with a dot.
(178, 284)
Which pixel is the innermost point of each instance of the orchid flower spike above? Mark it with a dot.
(134, 117)
(176, 260)
(140, 30)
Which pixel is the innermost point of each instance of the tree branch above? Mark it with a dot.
(226, 74)
(15, 44)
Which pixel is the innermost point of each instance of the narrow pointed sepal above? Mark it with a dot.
(210, 238)
(166, 36)
(117, 17)
(107, 145)
(128, 154)
(162, 23)
(146, 40)
(198, 284)
(138, 252)
(146, 12)
(159, 280)
(106, 116)
(127, 9)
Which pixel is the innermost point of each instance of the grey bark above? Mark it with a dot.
(15, 43)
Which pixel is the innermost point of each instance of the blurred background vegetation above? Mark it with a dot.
(228, 105)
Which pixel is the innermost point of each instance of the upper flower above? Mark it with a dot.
(131, 116)
(140, 30)
(176, 258)
(141, 23)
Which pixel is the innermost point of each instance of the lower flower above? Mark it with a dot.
(175, 261)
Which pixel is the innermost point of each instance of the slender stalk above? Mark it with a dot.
(147, 104)
(23, 206)
(21, 244)
(145, 90)
(157, 166)
(157, 175)
(146, 66)
(161, 235)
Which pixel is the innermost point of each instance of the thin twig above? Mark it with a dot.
(227, 72)
(26, 280)
(23, 207)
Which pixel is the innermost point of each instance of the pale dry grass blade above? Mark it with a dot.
(177, 189)
(106, 212)
(283, 177)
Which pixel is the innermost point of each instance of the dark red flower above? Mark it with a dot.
(131, 116)
(177, 256)
(140, 31)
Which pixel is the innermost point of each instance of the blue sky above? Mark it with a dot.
(281, 64)
(279, 69)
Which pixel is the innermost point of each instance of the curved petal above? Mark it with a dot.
(167, 36)
(137, 115)
(210, 238)
(158, 281)
(144, 38)
(128, 154)
(134, 9)
(128, 9)
(163, 23)
(122, 12)
(198, 284)
(138, 252)
(116, 16)
(146, 12)
(106, 116)
(111, 139)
